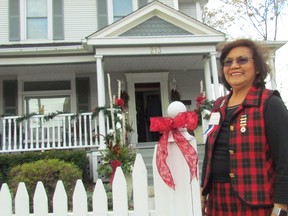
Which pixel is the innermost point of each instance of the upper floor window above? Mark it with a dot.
(109, 11)
(37, 19)
(121, 8)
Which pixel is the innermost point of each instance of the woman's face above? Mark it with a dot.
(239, 69)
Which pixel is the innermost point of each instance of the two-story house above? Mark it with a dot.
(55, 56)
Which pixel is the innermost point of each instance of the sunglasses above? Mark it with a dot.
(241, 60)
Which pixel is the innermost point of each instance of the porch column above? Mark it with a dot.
(101, 98)
(273, 71)
(207, 74)
(215, 74)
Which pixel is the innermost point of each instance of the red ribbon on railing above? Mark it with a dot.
(187, 120)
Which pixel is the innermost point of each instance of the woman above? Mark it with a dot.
(245, 168)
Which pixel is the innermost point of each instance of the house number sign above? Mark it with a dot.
(155, 50)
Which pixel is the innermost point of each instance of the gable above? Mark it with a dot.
(155, 19)
(155, 26)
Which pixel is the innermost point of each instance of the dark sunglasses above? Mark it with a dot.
(241, 60)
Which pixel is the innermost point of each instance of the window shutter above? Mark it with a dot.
(142, 3)
(83, 94)
(10, 89)
(58, 20)
(14, 20)
(102, 13)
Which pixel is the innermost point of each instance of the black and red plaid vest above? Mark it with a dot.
(252, 170)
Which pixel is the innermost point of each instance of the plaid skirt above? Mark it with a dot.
(223, 201)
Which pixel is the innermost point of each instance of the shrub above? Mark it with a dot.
(77, 157)
(49, 172)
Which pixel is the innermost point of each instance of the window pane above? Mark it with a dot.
(37, 28)
(47, 104)
(121, 8)
(37, 19)
(47, 85)
(36, 8)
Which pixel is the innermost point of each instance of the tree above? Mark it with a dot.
(254, 18)
(218, 18)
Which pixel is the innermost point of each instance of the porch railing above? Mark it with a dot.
(63, 131)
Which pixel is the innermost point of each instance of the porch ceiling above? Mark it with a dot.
(114, 65)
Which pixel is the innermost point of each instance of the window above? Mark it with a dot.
(47, 104)
(109, 11)
(36, 19)
(121, 8)
(47, 96)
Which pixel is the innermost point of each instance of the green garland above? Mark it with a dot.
(50, 116)
(26, 117)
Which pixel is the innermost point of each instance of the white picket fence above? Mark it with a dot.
(183, 201)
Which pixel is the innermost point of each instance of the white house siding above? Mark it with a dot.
(80, 19)
(188, 84)
(188, 9)
(3, 21)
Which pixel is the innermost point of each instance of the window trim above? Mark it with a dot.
(23, 21)
(110, 9)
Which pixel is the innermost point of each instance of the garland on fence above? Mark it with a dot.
(26, 117)
(50, 116)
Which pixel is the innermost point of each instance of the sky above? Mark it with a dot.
(281, 60)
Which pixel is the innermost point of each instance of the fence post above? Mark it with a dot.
(185, 199)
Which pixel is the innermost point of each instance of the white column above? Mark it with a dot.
(207, 74)
(215, 74)
(101, 97)
(273, 72)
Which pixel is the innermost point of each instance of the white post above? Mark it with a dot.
(185, 199)
(215, 74)
(273, 72)
(101, 99)
(207, 80)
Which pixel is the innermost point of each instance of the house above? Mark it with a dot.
(55, 56)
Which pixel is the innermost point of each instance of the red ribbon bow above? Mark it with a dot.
(187, 120)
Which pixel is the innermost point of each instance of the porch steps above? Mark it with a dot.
(147, 155)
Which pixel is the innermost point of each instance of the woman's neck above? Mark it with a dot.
(237, 97)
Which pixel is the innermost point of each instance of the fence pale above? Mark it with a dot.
(119, 189)
(60, 207)
(40, 201)
(5, 201)
(140, 190)
(80, 207)
(22, 201)
(100, 204)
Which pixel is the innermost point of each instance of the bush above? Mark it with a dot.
(49, 172)
(77, 157)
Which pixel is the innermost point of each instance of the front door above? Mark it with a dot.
(148, 104)
(148, 97)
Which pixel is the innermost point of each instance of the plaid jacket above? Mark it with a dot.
(252, 170)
